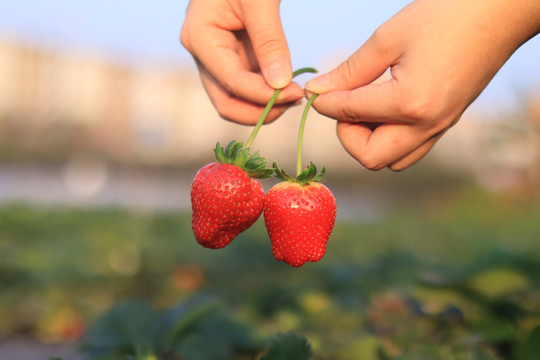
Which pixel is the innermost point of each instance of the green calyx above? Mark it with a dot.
(236, 154)
(307, 176)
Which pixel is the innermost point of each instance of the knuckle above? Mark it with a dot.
(185, 39)
(346, 70)
(414, 108)
(371, 162)
(398, 167)
(223, 108)
(419, 107)
(225, 113)
(383, 39)
(427, 112)
(380, 34)
(347, 113)
(269, 46)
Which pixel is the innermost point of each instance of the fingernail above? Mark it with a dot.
(318, 85)
(278, 76)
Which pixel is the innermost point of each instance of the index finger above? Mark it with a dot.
(220, 46)
(217, 51)
(375, 102)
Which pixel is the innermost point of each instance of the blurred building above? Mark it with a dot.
(56, 103)
(500, 153)
(97, 105)
(87, 103)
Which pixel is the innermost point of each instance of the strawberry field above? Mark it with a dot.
(455, 276)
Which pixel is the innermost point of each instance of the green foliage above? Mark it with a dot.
(288, 346)
(194, 330)
(457, 281)
(130, 325)
(530, 348)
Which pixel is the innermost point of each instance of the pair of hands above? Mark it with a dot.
(441, 55)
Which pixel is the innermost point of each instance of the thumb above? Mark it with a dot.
(263, 24)
(363, 67)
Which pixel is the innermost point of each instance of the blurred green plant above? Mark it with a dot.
(198, 329)
(458, 280)
(193, 330)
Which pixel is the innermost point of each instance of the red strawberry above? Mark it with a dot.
(225, 197)
(299, 215)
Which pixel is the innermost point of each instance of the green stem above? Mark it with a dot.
(271, 103)
(303, 70)
(263, 117)
(301, 135)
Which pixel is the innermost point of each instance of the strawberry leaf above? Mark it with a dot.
(219, 153)
(281, 174)
(236, 154)
(287, 346)
(319, 177)
(308, 175)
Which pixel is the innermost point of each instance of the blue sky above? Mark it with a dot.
(320, 34)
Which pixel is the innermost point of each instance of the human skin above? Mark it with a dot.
(441, 55)
(242, 56)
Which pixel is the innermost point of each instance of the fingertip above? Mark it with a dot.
(291, 93)
(318, 85)
(278, 75)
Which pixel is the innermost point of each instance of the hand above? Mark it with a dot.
(242, 55)
(441, 55)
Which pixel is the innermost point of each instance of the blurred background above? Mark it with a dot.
(103, 124)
